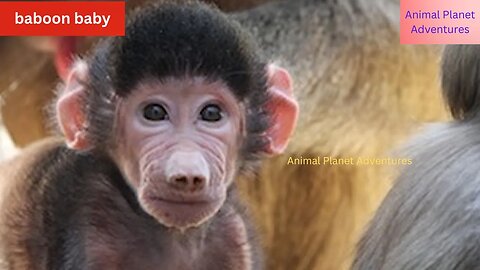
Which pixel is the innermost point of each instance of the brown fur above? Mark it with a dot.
(361, 93)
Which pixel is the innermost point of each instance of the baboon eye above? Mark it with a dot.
(211, 113)
(155, 112)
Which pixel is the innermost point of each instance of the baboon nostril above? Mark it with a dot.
(182, 181)
(188, 182)
(197, 181)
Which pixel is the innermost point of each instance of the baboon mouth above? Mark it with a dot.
(185, 202)
(182, 213)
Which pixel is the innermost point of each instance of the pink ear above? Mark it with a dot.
(66, 47)
(69, 109)
(283, 108)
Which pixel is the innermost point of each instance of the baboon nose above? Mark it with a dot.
(187, 171)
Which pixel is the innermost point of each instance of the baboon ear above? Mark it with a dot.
(283, 109)
(69, 108)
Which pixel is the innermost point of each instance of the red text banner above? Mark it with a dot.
(62, 18)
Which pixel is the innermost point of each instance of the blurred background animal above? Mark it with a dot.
(429, 219)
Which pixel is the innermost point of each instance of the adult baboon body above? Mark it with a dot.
(360, 92)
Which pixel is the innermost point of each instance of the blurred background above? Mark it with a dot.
(7, 147)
